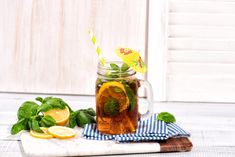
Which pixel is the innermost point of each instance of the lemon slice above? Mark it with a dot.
(61, 116)
(44, 135)
(61, 132)
(113, 90)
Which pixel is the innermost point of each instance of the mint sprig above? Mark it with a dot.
(30, 115)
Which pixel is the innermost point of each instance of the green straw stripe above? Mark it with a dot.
(102, 61)
(98, 50)
(93, 39)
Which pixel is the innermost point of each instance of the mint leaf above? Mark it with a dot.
(22, 124)
(90, 111)
(50, 103)
(166, 117)
(72, 119)
(46, 98)
(131, 97)
(27, 109)
(117, 90)
(124, 67)
(56, 103)
(35, 126)
(111, 107)
(44, 107)
(39, 99)
(114, 67)
(83, 118)
(47, 121)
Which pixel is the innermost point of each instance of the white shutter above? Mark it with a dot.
(200, 50)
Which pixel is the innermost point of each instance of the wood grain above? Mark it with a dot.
(45, 46)
(182, 144)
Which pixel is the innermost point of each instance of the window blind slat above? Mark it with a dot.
(210, 69)
(202, 19)
(193, 56)
(201, 44)
(201, 88)
(202, 6)
(201, 31)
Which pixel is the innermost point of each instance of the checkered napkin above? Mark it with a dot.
(148, 130)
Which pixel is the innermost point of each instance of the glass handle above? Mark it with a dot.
(149, 92)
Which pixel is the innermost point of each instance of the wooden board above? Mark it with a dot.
(182, 144)
(79, 146)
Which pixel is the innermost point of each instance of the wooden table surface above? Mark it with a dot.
(212, 125)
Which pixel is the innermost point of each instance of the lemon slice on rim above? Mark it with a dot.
(113, 91)
(44, 135)
(61, 116)
(61, 132)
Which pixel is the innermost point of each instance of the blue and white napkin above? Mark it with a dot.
(148, 130)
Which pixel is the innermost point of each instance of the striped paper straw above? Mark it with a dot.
(100, 54)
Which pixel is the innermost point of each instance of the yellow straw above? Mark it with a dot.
(97, 48)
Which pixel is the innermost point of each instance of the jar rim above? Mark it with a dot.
(102, 69)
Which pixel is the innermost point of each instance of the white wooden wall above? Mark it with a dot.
(197, 52)
(45, 47)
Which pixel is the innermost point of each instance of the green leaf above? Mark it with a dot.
(90, 111)
(22, 124)
(50, 103)
(114, 67)
(40, 99)
(27, 109)
(47, 121)
(84, 118)
(124, 67)
(131, 97)
(44, 107)
(111, 107)
(46, 98)
(30, 124)
(35, 126)
(166, 117)
(72, 119)
(98, 81)
(56, 103)
(117, 90)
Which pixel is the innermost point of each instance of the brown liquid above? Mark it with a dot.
(125, 120)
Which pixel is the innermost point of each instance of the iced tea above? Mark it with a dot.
(116, 100)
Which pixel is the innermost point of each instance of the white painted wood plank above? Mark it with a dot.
(201, 44)
(201, 19)
(200, 69)
(201, 88)
(11, 105)
(157, 47)
(194, 109)
(201, 56)
(204, 0)
(45, 46)
(201, 6)
(202, 32)
(10, 148)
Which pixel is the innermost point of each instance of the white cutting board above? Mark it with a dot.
(79, 146)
